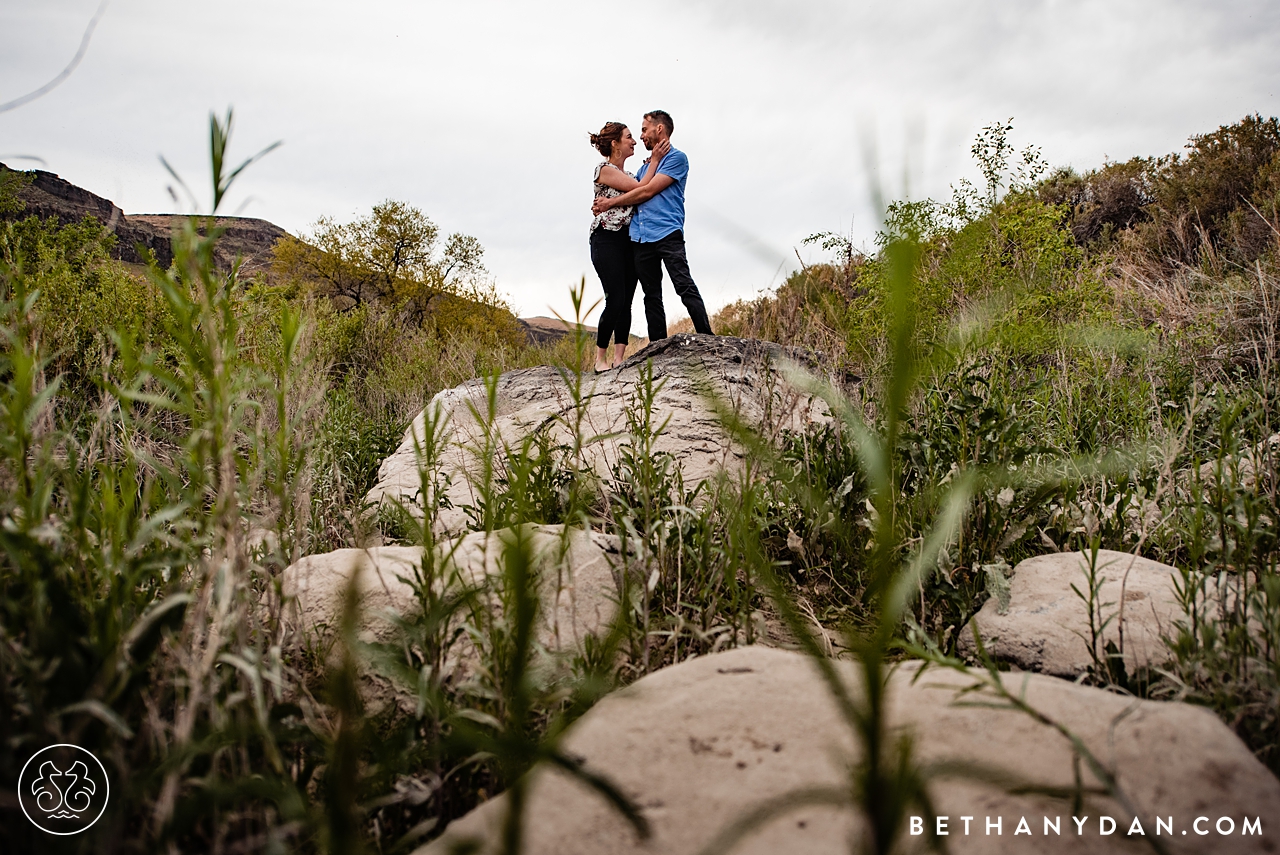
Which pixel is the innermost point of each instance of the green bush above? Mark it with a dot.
(83, 297)
(1206, 195)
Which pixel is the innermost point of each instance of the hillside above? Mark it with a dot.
(247, 238)
(49, 195)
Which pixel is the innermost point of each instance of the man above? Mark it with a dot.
(657, 229)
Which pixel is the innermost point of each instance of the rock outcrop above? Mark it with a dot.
(578, 577)
(743, 373)
(50, 196)
(1045, 627)
(699, 744)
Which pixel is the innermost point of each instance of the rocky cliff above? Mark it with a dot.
(138, 235)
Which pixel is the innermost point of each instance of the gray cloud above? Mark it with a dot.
(478, 112)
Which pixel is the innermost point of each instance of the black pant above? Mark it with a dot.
(649, 260)
(616, 266)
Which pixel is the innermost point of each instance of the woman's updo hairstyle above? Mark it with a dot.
(609, 134)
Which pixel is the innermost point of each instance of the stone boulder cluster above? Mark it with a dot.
(725, 738)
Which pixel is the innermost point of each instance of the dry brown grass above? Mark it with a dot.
(1225, 313)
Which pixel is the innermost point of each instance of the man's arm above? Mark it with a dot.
(623, 183)
(643, 193)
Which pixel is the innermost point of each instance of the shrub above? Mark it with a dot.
(83, 296)
(1205, 196)
(1102, 202)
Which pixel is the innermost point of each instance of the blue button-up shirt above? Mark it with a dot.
(664, 213)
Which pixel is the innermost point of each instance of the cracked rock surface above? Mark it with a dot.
(699, 744)
(743, 373)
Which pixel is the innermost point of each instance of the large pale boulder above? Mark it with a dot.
(699, 744)
(742, 372)
(1045, 627)
(578, 575)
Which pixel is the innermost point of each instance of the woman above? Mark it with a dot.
(611, 239)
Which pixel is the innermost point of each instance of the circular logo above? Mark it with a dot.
(63, 789)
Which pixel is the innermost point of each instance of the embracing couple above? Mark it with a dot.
(638, 227)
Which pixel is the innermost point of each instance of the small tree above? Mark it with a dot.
(396, 241)
(323, 261)
(393, 256)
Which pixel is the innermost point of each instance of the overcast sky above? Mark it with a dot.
(477, 111)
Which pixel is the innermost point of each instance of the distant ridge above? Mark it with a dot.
(48, 195)
(545, 330)
(248, 238)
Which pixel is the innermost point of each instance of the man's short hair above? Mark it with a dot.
(663, 118)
